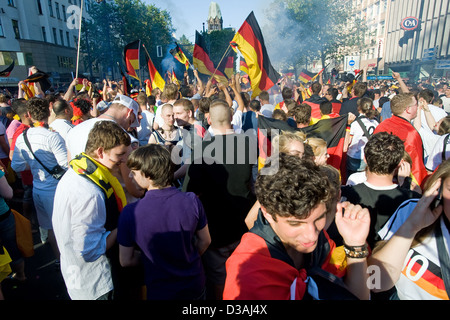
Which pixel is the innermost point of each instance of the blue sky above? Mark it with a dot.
(189, 15)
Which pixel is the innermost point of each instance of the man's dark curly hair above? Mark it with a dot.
(295, 189)
(84, 105)
(383, 153)
(38, 108)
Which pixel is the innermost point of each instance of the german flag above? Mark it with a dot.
(174, 78)
(250, 42)
(41, 78)
(227, 65)
(331, 130)
(131, 54)
(155, 77)
(180, 56)
(202, 61)
(126, 85)
(305, 76)
(243, 66)
(7, 72)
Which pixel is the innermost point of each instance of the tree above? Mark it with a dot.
(303, 30)
(114, 24)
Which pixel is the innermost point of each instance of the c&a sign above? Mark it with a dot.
(409, 23)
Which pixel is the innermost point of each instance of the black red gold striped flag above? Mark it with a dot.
(41, 78)
(131, 55)
(331, 130)
(202, 61)
(180, 56)
(243, 66)
(227, 65)
(7, 72)
(155, 77)
(126, 85)
(250, 42)
(305, 76)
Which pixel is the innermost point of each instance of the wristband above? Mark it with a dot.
(358, 252)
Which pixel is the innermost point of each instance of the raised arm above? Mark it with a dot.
(391, 256)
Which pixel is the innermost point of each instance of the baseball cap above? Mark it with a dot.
(130, 104)
(103, 105)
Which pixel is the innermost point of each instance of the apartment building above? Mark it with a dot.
(41, 33)
(417, 39)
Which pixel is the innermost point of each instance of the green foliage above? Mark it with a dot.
(303, 30)
(116, 23)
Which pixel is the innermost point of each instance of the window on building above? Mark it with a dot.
(61, 35)
(1, 29)
(39, 6)
(15, 25)
(68, 38)
(11, 3)
(50, 8)
(58, 14)
(63, 7)
(44, 34)
(55, 39)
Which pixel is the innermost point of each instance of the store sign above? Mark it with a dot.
(409, 23)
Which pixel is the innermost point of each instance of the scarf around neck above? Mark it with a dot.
(87, 167)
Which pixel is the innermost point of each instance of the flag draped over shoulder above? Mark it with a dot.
(7, 72)
(250, 42)
(179, 55)
(331, 130)
(131, 55)
(155, 77)
(202, 61)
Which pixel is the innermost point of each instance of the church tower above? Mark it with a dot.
(215, 21)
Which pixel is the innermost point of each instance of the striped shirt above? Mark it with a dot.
(421, 277)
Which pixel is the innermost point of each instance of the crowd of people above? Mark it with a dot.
(160, 195)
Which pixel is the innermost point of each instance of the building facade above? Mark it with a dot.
(418, 34)
(373, 14)
(41, 33)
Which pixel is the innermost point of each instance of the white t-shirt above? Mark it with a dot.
(77, 137)
(267, 110)
(49, 147)
(359, 140)
(421, 277)
(145, 129)
(61, 126)
(435, 157)
(446, 103)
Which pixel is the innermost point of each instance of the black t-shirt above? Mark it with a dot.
(222, 178)
(381, 204)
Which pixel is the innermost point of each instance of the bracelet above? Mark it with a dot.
(359, 252)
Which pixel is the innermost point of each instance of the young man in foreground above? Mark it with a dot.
(287, 253)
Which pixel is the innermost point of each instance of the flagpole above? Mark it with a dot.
(218, 65)
(79, 39)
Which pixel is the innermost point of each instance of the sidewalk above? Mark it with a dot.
(44, 279)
